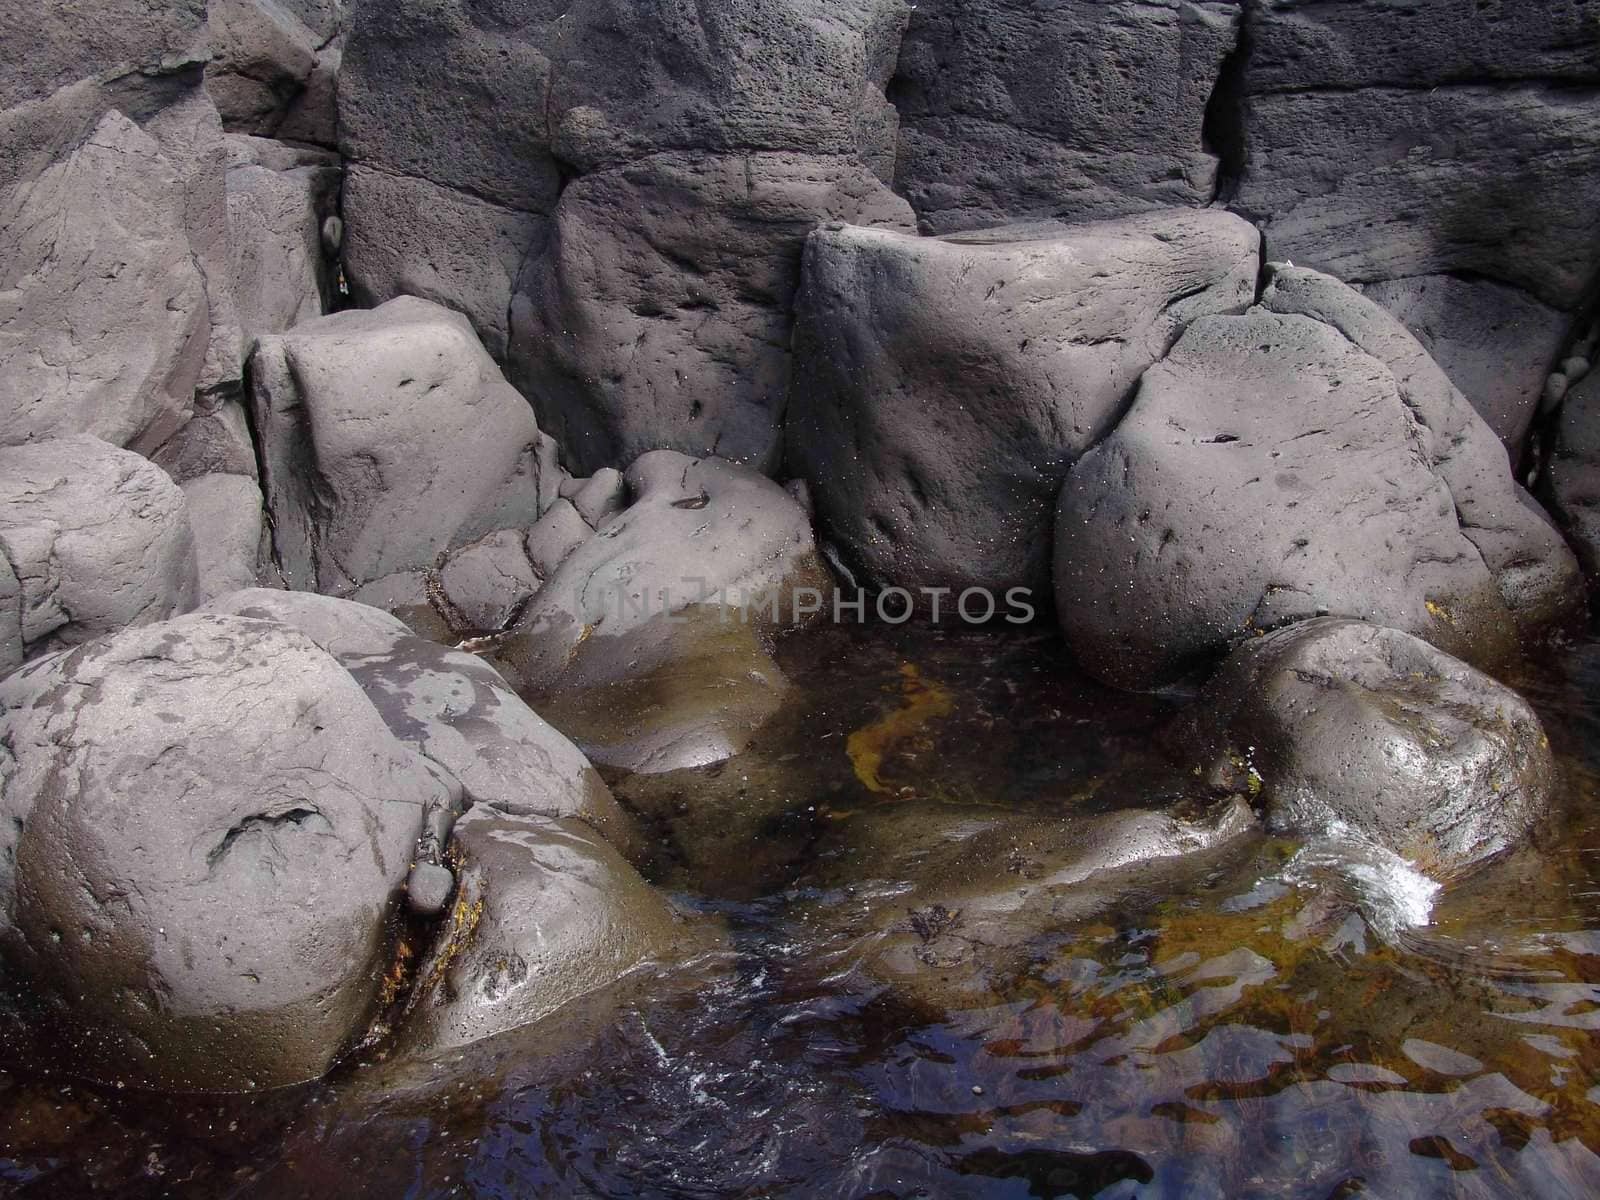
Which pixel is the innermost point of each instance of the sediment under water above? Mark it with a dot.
(1276, 1020)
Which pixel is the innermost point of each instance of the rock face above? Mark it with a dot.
(389, 437)
(650, 635)
(724, 135)
(1385, 141)
(454, 710)
(1573, 480)
(625, 350)
(1534, 571)
(206, 826)
(1272, 469)
(279, 198)
(1338, 726)
(1078, 110)
(1496, 343)
(409, 236)
(95, 539)
(545, 913)
(104, 322)
(944, 385)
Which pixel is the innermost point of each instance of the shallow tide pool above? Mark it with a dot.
(1271, 1021)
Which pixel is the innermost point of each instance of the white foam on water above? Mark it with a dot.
(1391, 892)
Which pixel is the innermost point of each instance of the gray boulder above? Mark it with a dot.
(650, 637)
(545, 914)
(1079, 110)
(97, 539)
(1269, 471)
(104, 320)
(1385, 141)
(229, 527)
(697, 533)
(214, 442)
(454, 710)
(389, 437)
(485, 585)
(659, 316)
(262, 54)
(1534, 571)
(206, 827)
(279, 197)
(943, 385)
(1495, 343)
(1339, 726)
(1572, 476)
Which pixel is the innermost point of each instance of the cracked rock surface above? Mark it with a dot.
(944, 385)
(389, 437)
(1276, 467)
(206, 825)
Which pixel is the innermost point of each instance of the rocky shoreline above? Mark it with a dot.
(409, 411)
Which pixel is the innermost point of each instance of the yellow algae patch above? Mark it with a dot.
(921, 702)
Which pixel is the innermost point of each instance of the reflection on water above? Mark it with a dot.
(1268, 1029)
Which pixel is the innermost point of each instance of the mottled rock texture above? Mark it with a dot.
(1305, 458)
(96, 539)
(944, 385)
(206, 825)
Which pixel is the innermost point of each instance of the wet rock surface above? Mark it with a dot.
(207, 824)
(944, 385)
(545, 912)
(667, 610)
(1341, 727)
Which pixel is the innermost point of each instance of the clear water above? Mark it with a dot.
(1282, 1020)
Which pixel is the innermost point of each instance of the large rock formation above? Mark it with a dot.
(645, 303)
(944, 385)
(660, 313)
(95, 539)
(1345, 728)
(389, 437)
(206, 824)
(1078, 110)
(1278, 466)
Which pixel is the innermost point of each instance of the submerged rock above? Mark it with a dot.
(944, 899)
(545, 913)
(943, 385)
(206, 827)
(1336, 726)
(672, 600)
(96, 538)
